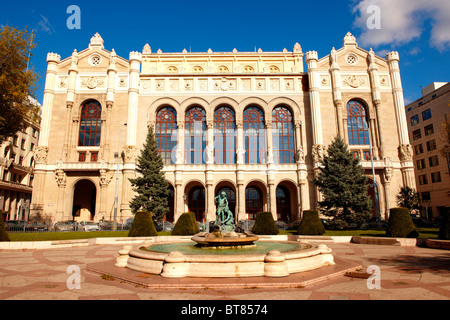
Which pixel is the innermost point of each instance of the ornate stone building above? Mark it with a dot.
(17, 160)
(252, 124)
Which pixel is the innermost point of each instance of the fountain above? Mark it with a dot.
(225, 253)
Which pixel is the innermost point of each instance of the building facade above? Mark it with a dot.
(17, 160)
(252, 124)
(425, 125)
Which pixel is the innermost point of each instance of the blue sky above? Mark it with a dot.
(418, 29)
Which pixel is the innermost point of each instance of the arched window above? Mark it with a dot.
(253, 202)
(224, 136)
(90, 124)
(283, 135)
(358, 130)
(196, 202)
(283, 203)
(195, 139)
(171, 200)
(254, 135)
(165, 134)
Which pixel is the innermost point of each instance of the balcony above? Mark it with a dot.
(15, 186)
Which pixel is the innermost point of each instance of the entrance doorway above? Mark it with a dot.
(84, 199)
(196, 202)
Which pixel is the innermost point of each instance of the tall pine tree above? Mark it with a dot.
(342, 182)
(151, 187)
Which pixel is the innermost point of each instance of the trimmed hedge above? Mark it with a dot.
(186, 225)
(3, 233)
(400, 224)
(311, 224)
(142, 225)
(444, 231)
(265, 224)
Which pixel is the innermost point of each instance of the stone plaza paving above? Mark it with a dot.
(406, 273)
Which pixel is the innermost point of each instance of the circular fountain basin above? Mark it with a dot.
(265, 258)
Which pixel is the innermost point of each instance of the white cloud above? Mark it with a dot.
(403, 21)
(44, 25)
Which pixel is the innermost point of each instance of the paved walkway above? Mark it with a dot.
(405, 273)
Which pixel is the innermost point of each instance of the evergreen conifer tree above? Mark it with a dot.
(150, 184)
(342, 182)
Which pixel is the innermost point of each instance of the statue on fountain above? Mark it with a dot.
(224, 217)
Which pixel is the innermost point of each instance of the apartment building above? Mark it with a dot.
(16, 171)
(425, 125)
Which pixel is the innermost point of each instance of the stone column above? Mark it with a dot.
(316, 121)
(405, 149)
(73, 73)
(37, 206)
(130, 146)
(110, 93)
(179, 152)
(49, 93)
(337, 95)
(179, 200)
(133, 97)
(60, 177)
(376, 98)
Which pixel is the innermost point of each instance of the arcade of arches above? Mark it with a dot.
(252, 124)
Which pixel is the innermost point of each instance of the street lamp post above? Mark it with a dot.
(117, 180)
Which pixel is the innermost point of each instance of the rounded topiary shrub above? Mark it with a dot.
(311, 224)
(264, 224)
(186, 225)
(3, 233)
(400, 224)
(444, 231)
(142, 225)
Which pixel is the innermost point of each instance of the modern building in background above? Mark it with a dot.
(252, 124)
(425, 125)
(17, 171)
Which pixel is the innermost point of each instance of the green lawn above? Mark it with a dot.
(430, 233)
(424, 233)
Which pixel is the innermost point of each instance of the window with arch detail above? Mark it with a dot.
(283, 135)
(165, 134)
(224, 136)
(358, 130)
(253, 202)
(195, 136)
(254, 135)
(90, 124)
(222, 69)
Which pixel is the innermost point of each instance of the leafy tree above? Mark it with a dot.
(342, 182)
(17, 80)
(408, 198)
(150, 185)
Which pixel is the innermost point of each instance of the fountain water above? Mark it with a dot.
(225, 253)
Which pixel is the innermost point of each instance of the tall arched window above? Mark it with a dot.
(253, 202)
(254, 135)
(224, 136)
(358, 130)
(90, 124)
(196, 202)
(165, 134)
(195, 138)
(283, 135)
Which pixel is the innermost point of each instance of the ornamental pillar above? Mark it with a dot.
(133, 97)
(37, 206)
(337, 94)
(405, 149)
(313, 76)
